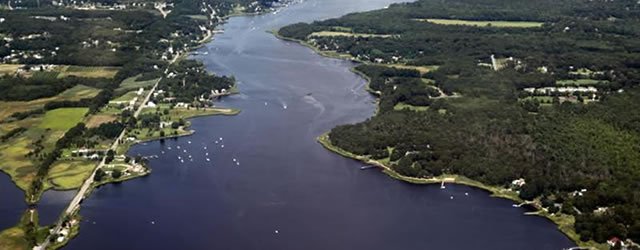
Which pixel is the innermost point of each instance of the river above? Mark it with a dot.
(272, 186)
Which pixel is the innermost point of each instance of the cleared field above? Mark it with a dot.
(65, 175)
(13, 239)
(499, 24)
(42, 133)
(14, 153)
(79, 92)
(421, 69)
(96, 120)
(63, 118)
(402, 106)
(89, 72)
(581, 82)
(347, 34)
(9, 68)
(73, 94)
(131, 83)
(126, 97)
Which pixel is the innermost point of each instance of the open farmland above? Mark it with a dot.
(9, 69)
(73, 94)
(89, 72)
(95, 120)
(63, 118)
(20, 153)
(132, 83)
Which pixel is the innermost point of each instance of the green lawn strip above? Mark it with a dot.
(498, 24)
(63, 118)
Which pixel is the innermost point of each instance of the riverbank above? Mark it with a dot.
(564, 223)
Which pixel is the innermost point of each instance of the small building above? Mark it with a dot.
(150, 104)
(614, 241)
(519, 182)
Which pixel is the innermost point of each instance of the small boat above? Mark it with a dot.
(367, 167)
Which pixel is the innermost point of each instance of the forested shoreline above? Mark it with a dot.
(549, 111)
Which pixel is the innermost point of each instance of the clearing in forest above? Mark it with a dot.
(87, 71)
(346, 34)
(499, 24)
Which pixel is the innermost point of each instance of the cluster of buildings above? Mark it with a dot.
(561, 90)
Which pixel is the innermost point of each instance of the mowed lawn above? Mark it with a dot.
(499, 24)
(86, 71)
(63, 118)
(581, 82)
(421, 69)
(346, 34)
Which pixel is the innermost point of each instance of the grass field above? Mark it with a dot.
(42, 131)
(581, 82)
(421, 69)
(131, 83)
(499, 24)
(126, 97)
(13, 239)
(89, 72)
(73, 94)
(78, 92)
(347, 34)
(63, 118)
(13, 153)
(95, 120)
(65, 175)
(9, 68)
(402, 105)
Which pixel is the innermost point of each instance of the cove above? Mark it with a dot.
(272, 186)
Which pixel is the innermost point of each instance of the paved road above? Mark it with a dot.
(86, 186)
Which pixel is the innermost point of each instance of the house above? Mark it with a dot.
(150, 104)
(140, 91)
(182, 105)
(165, 124)
(519, 182)
(615, 241)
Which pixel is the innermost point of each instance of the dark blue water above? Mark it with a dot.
(272, 186)
(11, 202)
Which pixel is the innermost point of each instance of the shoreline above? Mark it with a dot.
(564, 223)
(75, 228)
(497, 192)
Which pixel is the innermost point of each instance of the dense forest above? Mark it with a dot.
(477, 111)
